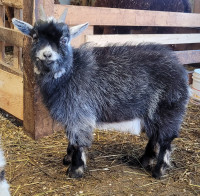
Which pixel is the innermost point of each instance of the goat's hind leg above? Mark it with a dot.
(151, 152)
(163, 159)
(152, 147)
(169, 124)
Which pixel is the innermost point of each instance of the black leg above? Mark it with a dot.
(78, 163)
(163, 161)
(68, 157)
(151, 152)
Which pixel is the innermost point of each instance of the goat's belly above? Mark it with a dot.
(133, 126)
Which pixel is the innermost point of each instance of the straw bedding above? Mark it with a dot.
(34, 168)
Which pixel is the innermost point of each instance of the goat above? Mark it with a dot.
(4, 187)
(122, 87)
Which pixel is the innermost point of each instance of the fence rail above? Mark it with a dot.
(103, 40)
(12, 3)
(126, 17)
(12, 36)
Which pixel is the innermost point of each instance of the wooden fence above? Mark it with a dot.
(19, 94)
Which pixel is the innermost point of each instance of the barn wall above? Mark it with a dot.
(196, 6)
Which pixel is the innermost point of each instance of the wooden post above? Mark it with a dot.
(37, 122)
(17, 53)
(196, 8)
(2, 23)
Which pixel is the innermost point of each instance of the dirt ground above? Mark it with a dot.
(34, 168)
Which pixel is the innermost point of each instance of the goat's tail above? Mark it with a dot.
(4, 186)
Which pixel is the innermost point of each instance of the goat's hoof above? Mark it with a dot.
(67, 160)
(75, 172)
(157, 174)
(145, 161)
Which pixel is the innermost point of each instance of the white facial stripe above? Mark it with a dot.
(134, 126)
(47, 49)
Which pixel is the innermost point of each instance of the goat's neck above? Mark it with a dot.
(49, 85)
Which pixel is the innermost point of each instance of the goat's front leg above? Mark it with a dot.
(76, 156)
(68, 157)
(78, 163)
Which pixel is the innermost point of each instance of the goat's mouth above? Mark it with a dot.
(48, 62)
(45, 62)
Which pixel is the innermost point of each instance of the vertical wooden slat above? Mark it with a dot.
(17, 52)
(28, 79)
(37, 122)
(84, 2)
(2, 23)
(196, 8)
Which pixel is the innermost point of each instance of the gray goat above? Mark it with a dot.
(116, 87)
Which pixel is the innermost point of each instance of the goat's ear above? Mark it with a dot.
(22, 26)
(77, 30)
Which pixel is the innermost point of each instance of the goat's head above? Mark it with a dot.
(51, 50)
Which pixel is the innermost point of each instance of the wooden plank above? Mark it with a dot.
(126, 17)
(196, 8)
(29, 82)
(103, 40)
(12, 36)
(11, 93)
(10, 69)
(2, 24)
(17, 52)
(188, 57)
(37, 122)
(13, 3)
(9, 14)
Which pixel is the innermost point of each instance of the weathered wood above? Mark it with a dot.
(13, 3)
(12, 36)
(11, 93)
(126, 17)
(196, 8)
(17, 52)
(103, 40)
(29, 83)
(9, 15)
(9, 69)
(37, 122)
(188, 56)
(2, 24)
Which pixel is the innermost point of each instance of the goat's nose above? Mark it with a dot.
(47, 54)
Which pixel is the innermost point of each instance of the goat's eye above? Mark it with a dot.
(64, 40)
